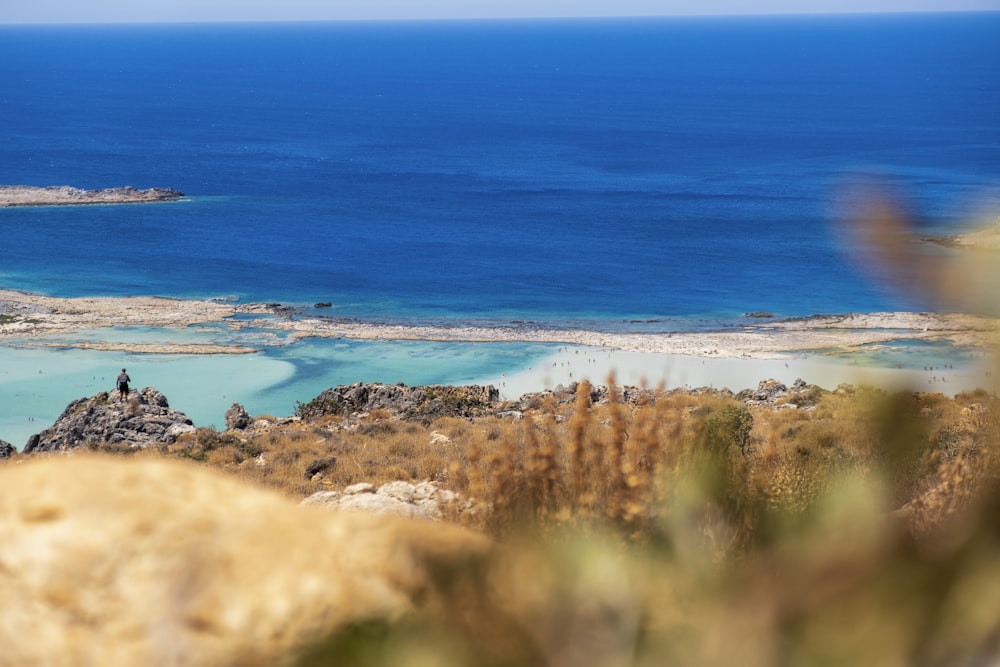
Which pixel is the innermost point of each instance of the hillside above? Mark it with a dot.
(624, 526)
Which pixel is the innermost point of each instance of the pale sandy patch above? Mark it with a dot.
(670, 371)
(27, 316)
(762, 341)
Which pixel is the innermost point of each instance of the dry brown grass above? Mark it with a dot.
(627, 467)
(687, 530)
(658, 534)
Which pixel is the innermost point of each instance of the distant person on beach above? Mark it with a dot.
(123, 380)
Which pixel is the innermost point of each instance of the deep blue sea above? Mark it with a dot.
(605, 171)
(631, 174)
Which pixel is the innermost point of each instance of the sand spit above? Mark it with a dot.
(27, 316)
(34, 314)
(64, 195)
(761, 341)
(158, 348)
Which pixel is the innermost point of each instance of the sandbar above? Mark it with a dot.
(762, 340)
(27, 317)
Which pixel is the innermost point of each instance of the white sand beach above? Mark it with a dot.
(651, 369)
(26, 316)
(206, 355)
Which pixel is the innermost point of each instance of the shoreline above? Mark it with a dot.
(206, 355)
(25, 317)
(686, 372)
(13, 196)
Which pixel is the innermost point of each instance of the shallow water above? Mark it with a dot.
(37, 384)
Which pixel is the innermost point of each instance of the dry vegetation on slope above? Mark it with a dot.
(585, 455)
(677, 528)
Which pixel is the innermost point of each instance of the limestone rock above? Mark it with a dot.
(237, 418)
(179, 429)
(417, 501)
(145, 419)
(567, 395)
(136, 562)
(6, 449)
(774, 394)
(426, 402)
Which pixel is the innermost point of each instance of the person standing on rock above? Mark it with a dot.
(123, 380)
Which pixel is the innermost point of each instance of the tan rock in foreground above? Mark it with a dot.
(132, 562)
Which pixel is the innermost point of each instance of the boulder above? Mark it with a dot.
(768, 391)
(135, 561)
(145, 419)
(774, 394)
(7, 450)
(237, 418)
(416, 501)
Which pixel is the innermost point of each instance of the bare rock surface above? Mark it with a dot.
(417, 501)
(145, 419)
(237, 418)
(137, 562)
(774, 394)
(430, 401)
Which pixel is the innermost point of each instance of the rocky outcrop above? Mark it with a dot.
(599, 395)
(7, 450)
(64, 195)
(414, 501)
(145, 419)
(237, 418)
(774, 394)
(433, 401)
(426, 402)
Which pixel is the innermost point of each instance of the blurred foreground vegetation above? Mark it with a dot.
(855, 528)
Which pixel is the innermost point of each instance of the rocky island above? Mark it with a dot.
(64, 195)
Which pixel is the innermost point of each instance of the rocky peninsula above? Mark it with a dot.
(65, 195)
